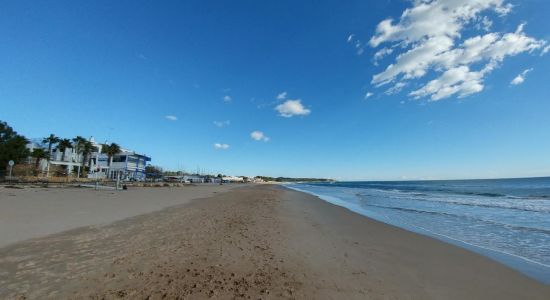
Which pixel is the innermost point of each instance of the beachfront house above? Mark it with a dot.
(126, 165)
(67, 159)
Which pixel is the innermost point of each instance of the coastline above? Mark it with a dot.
(261, 241)
(533, 269)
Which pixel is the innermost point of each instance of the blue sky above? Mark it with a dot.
(116, 69)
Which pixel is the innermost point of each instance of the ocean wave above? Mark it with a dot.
(470, 190)
(516, 228)
(469, 218)
(544, 208)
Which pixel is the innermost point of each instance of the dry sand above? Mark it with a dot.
(34, 212)
(250, 243)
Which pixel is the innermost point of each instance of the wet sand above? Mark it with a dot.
(253, 242)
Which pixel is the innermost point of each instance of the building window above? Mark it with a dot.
(119, 158)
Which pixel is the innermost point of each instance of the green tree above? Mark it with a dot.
(111, 150)
(63, 145)
(79, 144)
(12, 146)
(51, 141)
(153, 172)
(87, 149)
(39, 154)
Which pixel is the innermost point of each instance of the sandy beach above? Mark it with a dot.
(34, 212)
(248, 242)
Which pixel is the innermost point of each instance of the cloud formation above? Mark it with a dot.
(292, 108)
(521, 77)
(368, 95)
(259, 136)
(221, 146)
(357, 44)
(227, 99)
(429, 37)
(222, 123)
(171, 118)
(281, 96)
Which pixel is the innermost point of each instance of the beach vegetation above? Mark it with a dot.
(39, 154)
(12, 146)
(153, 172)
(51, 140)
(63, 145)
(111, 150)
(83, 147)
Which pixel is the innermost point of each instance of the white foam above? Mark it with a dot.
(536, 269)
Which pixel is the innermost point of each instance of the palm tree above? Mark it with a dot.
(51, 140)
(79, 142)
(63, 145)
(111, 150)
(39, 154)
(87, 149)
(79, 147)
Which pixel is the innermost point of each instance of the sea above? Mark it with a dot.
(507, 220)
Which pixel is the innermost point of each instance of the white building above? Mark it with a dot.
(126, 165)
(188, 178)
(232, 179)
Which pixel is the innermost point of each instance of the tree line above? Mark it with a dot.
(13, 146)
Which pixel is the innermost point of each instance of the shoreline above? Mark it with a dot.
(530, 268)
(260, 241)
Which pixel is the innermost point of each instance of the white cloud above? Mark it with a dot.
(368, 95)
(171, 118)
(428, 37)
(396, 88)
(222, 123)
(459, 81)
(259, 136)
(486, 23)
(292, 108)
(221, 146)
(281, 96)
(360, 47)
(381, 53)
(227, 99)
(521, 77)
(358, 44)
